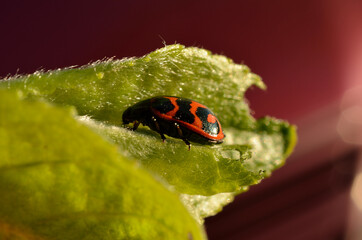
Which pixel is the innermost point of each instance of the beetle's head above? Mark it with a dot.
(138, 112)
(127, 116)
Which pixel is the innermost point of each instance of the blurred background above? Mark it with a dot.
(309, 54)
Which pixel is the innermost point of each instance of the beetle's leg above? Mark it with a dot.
(135, 125)
(182, 136)
(158, 128)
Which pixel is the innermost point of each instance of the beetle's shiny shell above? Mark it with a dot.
(189, 114)
(176, 117)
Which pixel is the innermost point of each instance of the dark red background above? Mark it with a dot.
(308, 52)
(300, 48)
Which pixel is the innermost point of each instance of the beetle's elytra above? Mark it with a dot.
(176, 117)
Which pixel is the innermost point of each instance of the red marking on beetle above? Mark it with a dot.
(211, 118)
(194, 106)
(174, 103)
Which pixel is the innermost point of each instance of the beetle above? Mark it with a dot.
(176, 117)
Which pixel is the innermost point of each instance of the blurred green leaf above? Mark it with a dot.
(60, 180)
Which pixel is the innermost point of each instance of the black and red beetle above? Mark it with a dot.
(176, 117)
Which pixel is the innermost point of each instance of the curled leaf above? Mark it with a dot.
(102, 90)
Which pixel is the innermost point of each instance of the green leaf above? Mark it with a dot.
(103, 90)
(60, 180)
